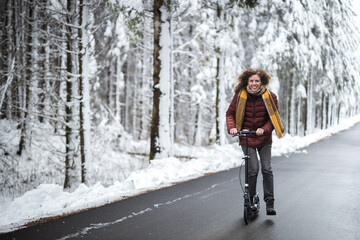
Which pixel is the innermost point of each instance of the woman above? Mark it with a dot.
(255, 108)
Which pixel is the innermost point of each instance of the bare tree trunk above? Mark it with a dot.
(198, 126)
(119, 80)
(161, 129)
(217, 101)
(70, 164)
(85, 151)
(292, 107)
(154, 135)
(44, 65)
(298, 117)
(220, 88)
(111, 86)
(30, 59)
(309, 105)
(82, 74)
(10, 63)
(128, 87)
(144, 89)
(324, 106)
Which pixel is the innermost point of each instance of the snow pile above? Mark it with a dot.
(50, 200)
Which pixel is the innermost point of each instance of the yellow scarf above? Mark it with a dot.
(270, 106)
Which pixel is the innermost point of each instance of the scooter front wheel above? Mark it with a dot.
(246, 215)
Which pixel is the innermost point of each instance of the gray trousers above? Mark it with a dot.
(265, 160)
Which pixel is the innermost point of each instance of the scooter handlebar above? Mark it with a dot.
(244, 132)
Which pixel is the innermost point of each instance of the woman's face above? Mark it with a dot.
(254, 82)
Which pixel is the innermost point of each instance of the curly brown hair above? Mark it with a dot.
(243, 78)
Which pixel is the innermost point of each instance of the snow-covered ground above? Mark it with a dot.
(50, 200)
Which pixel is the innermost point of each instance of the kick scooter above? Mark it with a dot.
(249, 209)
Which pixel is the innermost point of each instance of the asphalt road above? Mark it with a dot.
(317, 197)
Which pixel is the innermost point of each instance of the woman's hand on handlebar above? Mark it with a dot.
(259, 131)
(233, 131)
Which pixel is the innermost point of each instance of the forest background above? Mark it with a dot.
(93, 90)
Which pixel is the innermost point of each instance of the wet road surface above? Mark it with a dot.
(317, 197)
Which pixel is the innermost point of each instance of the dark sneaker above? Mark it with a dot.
(270, 207)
